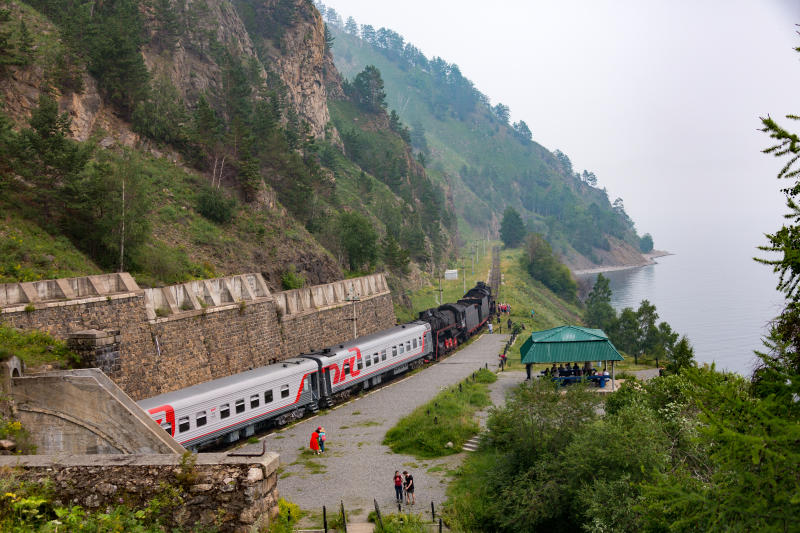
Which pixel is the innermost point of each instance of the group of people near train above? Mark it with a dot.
(404, 488)
(562, 371)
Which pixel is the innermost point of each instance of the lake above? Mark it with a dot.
(713, 292)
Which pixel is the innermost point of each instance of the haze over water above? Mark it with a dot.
(710, 290)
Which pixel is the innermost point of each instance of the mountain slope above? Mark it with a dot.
(191, 139)
(484, 162)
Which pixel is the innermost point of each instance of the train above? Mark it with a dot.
(225, 410)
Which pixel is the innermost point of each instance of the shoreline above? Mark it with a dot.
(650, 259)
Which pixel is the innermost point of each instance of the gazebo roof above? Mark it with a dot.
(568, 344)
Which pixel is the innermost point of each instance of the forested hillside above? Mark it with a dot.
(191, 139)
(484, 162)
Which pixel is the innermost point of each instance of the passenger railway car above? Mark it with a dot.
(363, 362)
(229, 408)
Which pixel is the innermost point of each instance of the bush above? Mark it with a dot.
(215, 206)
(291, 279)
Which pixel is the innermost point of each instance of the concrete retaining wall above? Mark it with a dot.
(174, 337)
(236, 494)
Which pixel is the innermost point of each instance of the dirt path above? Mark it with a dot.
(356, 467)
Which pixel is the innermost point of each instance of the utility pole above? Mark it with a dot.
(464, 269)
(439, 297)
(352, 297)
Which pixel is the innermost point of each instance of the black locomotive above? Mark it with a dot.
(454, 323)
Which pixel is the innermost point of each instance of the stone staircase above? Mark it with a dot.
(472, 444)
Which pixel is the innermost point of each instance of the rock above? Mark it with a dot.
(448, 445)
(255, 474)
(7, 444)
(106, 489)
(201, 487)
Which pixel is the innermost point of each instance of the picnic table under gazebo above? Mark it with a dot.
(569, 344)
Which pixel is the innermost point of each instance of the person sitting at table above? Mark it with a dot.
(546, 372)
(576, 371)
(561, 372)
(605, 373)
(594, 371)
(553, 370)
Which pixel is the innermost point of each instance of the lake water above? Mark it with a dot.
(712, 291)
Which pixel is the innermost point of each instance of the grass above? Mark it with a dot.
(309, 460)
(448, 417)
(35, 348)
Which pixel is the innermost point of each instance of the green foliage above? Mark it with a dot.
(288, 515)
(35, 348)
(599, 313)
(396, 258)
(446, 418)
(162, 115)
(110, 35)
(358, 239)
(646, 243)
(367, 90)
(291, 279)
(215, 206)
(402, 523)
(544, 266)
(512, 229)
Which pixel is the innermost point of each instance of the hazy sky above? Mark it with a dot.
(660, 99)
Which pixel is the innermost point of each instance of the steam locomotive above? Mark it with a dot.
(224, 410)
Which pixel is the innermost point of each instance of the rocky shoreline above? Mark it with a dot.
(649, 259)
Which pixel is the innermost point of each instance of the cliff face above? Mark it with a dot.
(290, 38)
(190, 56)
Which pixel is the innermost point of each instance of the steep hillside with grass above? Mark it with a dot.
(483, 162)
(185, 140)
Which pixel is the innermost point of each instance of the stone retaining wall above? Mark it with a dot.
(159, 340)
(236, 494)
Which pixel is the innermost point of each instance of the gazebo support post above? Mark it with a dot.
(613, 378)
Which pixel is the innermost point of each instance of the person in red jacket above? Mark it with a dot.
(314, 443)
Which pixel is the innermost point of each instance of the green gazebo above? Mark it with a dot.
(569, 344)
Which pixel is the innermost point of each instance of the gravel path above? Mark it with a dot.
(356, 467)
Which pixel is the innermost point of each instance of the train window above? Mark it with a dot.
(254, 401)
(346, 367)
(225, 410)
(360, 364)
(375, 358)
(408, 346)
(369, 361)
(414, 342)
(239, 406)
(183, 424)
(167, 427)
(268, 396)
(285, 391)
(383, 355)
(402, 348)
(394, 351)
(201, 419)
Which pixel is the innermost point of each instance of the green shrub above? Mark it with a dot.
(291, 279)
(215, 206)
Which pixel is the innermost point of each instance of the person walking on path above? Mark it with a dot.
(409, 488)
(398, 487)
(490, 328)
(321, 433)
(314, 443)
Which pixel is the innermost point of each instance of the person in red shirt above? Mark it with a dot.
(398, 486)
